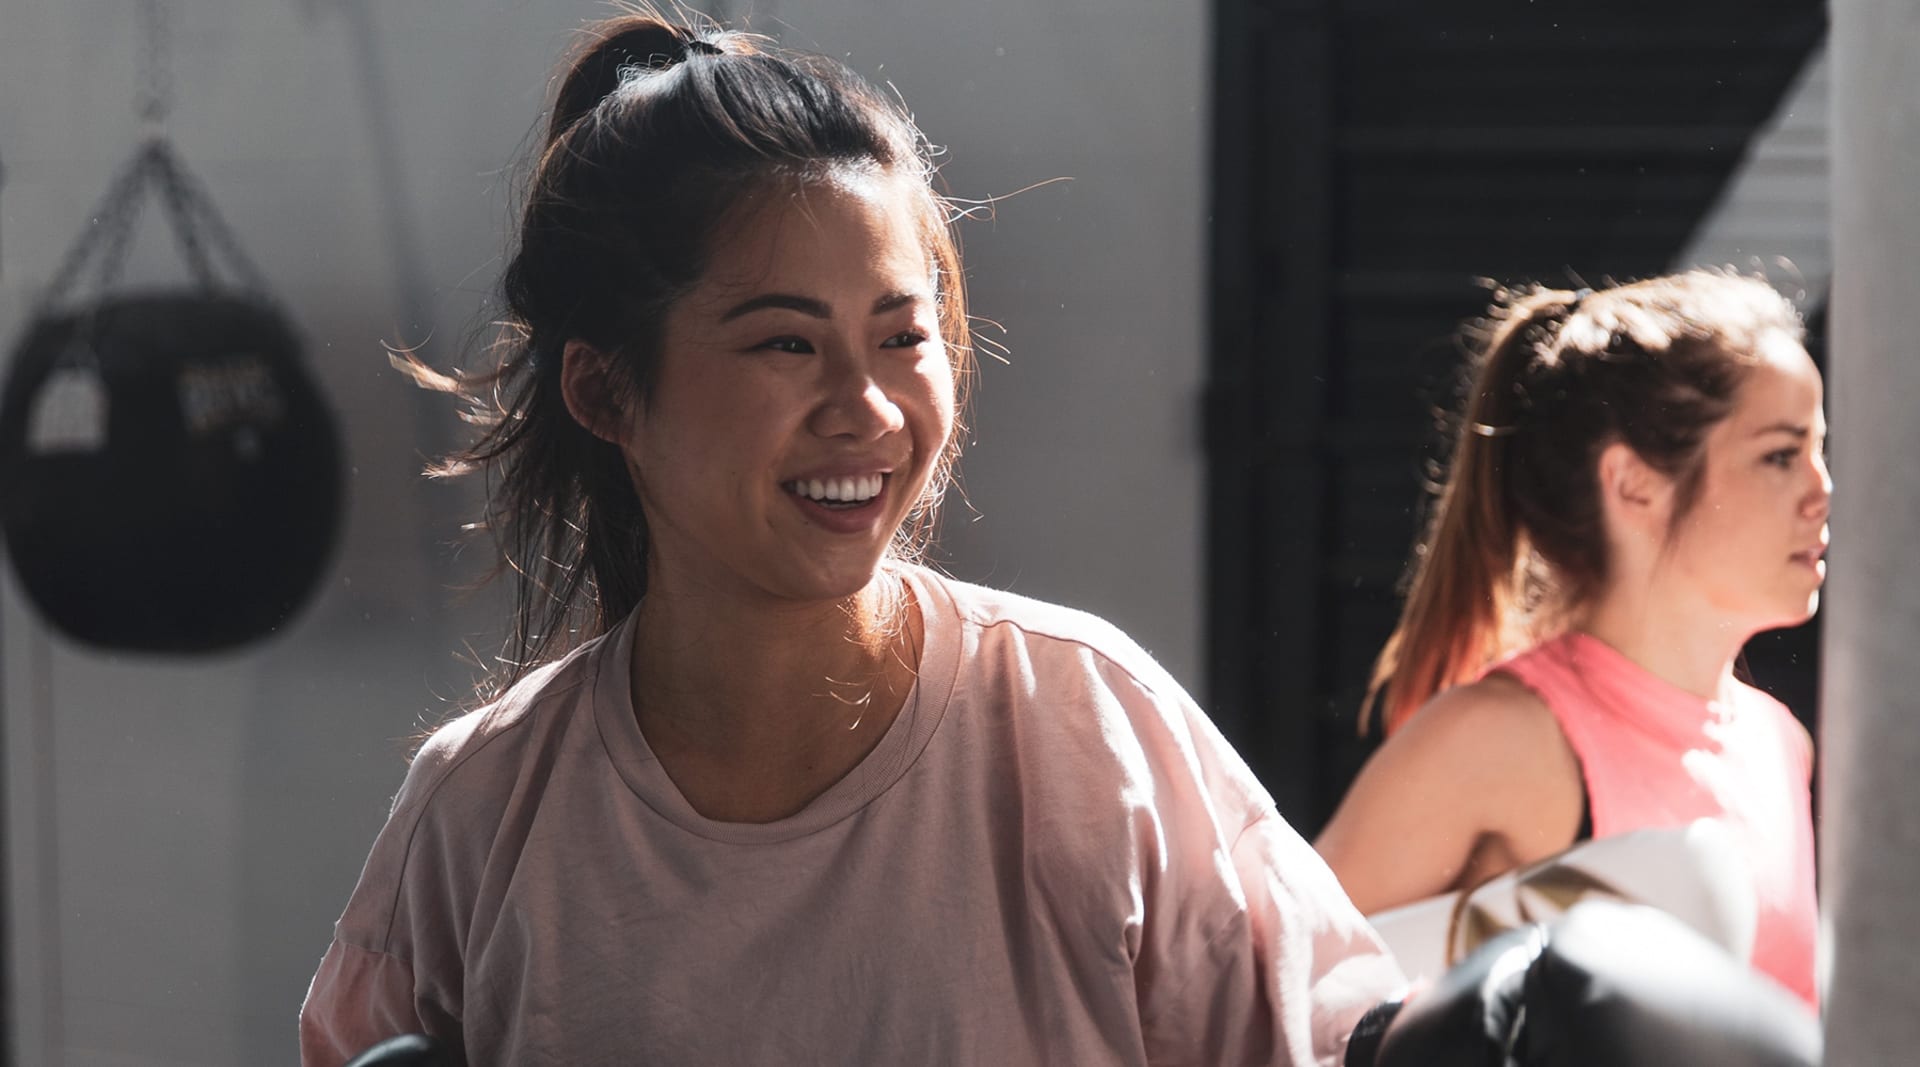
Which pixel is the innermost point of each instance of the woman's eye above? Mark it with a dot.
(904, 339)
(796, 345)
(1783, 458)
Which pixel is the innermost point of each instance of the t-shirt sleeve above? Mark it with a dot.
(394, 966)
(1286, 976)
(360, 998)
(1250, 951)
(1312, 947)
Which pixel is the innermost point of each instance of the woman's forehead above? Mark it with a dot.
(1781, 387)
(820, 231)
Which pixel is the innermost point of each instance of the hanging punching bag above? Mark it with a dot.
(169, 473)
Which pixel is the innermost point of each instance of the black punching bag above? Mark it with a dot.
(169, 473)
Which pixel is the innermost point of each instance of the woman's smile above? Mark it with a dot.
(846, 504)
(811, 352)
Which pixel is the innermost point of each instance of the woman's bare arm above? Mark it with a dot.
(1480, 775)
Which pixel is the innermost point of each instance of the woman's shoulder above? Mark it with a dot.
(1494, 752)
(1499, 710)
(1479, 772)
(1080, 636)
(1494, 736)
(466, 753)
(450, 807)
(1089, 697)
(1771, 714)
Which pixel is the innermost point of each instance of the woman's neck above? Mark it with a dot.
(1671, 635)
(754, 708)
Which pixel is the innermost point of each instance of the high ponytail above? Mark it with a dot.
(1468, 576)
(1517, 543)
(614, 50)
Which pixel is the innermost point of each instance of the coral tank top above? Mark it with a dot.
(1657, 756)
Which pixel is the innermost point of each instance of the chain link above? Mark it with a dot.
(201, 232)
(202, 235)
(156, 64)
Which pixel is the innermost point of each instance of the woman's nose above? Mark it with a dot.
(856, 404)
(1821, 498)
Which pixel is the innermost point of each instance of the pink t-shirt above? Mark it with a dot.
(1050, 857)
(1657, 756)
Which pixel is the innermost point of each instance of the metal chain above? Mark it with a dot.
(202, 234)
(212, 231)
(182, 208)
(108, 219)
(156, 64)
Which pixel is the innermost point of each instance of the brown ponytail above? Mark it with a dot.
(1517, 541)
(1466, 576)
(613, 51)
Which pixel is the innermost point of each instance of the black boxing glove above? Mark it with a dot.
(1628, 984)
(1470, 1017)
(1608, 985)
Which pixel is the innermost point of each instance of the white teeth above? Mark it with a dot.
(840, 490)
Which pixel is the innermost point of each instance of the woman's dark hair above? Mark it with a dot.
(1517, 540)
(658, 133)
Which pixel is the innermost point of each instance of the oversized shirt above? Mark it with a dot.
(1655, 755)
(1050, 857)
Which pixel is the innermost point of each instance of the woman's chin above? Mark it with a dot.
(1813, 606)
(835, 580)
(1799, 613)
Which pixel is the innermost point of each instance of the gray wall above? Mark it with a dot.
(183, 832)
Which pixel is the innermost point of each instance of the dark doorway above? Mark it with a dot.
(1373, 161)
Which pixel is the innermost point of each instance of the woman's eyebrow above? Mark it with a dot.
(807, 305)
(893, 301)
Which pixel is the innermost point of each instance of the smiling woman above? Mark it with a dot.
(754, 786)
(804, 396)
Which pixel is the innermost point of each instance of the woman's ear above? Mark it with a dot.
(587, 386)
(1632, 492)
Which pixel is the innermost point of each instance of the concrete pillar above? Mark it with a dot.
(1870, 784)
